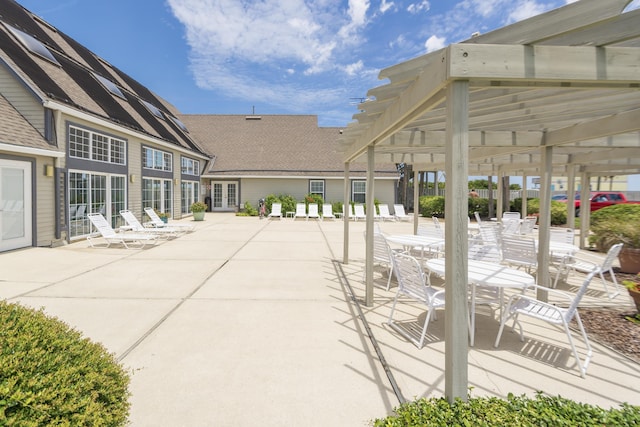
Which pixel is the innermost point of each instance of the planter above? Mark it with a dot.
(165, 219)
(629, 260)
(635, 296)
(198, 216)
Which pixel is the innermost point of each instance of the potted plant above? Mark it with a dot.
(633, 286)
(164, 216)
(198, 209)
(618, 224)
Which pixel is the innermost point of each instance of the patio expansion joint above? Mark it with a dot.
(182, 300)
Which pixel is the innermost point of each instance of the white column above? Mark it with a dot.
(370, 207)
(585, 207)
(571, 197)
(345, 217)
(456, 238)
(524, 196)
(416, 200)
(542, 274)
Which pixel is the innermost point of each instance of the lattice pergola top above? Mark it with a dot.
(569, 78)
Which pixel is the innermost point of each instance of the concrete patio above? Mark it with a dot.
(254, 322)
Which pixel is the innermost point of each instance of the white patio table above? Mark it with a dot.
(414, 241)
(486, 274)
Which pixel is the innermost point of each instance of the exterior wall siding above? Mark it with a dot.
(252, 189)
(22, 100)
(45, 211)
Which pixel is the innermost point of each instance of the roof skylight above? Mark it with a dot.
(179, 124)
(33, 44)
(154, 110)
(109, 85)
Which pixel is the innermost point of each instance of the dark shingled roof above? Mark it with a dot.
(73, 82)
(272, 145)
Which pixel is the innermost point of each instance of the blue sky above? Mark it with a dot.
(273, 56)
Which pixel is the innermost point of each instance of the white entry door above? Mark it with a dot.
(224, 195)
(15, 204)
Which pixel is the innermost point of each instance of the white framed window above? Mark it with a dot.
(358, 191)
(189, 193)
(316, 186)
(95, 192)
(157, 159)
(85, 144)
(190, 166)
(157, 194)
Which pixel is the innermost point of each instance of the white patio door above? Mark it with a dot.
(224, 195)
(15, 204)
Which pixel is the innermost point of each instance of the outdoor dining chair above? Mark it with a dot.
(576, 263)
(519, 252)
(523, 304)
(414, 284)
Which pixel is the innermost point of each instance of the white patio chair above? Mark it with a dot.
(301, 211)
(530, 306)
(431, 231)
(358, 212)
(528, 225)
(313, 211)
(156, 221)
(413, 283)
(382, 254)
(384, 212)
(510, 226)
(398, 212)
(560, 234)
(327, 211)
(478, 219)
(576, 263)
(276, 211)
(519, 252)
(110, 236)
(511, 215)
(134, 225)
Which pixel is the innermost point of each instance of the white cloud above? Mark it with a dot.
(434, 43)
(526, 9)
(415, 8)
(384, 6)
(353, 69)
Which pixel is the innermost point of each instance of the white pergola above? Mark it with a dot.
(556, 94)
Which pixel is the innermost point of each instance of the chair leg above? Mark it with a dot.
(582, 366)
(420, 344)
(390, 275)
(615, 284)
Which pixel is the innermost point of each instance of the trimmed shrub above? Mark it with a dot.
(480, 205)
(51, 375)
(615, 224)
(313, 198)
(514, 411)
(432, 206)
(558, 209)
(248, 210)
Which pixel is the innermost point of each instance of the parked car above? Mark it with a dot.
(600, 199)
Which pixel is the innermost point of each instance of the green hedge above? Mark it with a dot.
(614, 224)
(514, 411)
(51, 375)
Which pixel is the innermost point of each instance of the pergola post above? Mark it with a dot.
(416, 200)
(542, 274)
(571, 192)
(524, 196)
(456, 238)
(585, 207)
(370, 207)
(345, 216)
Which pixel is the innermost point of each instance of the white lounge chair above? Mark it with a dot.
(557, 315)
(398, 211)
(301, 211)
(276, 211)
(327, 211)
(313, 211)
(384, 213)
(358, 212)
(414, 284)
(156, 221)
(134, 225)
(110, 236)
